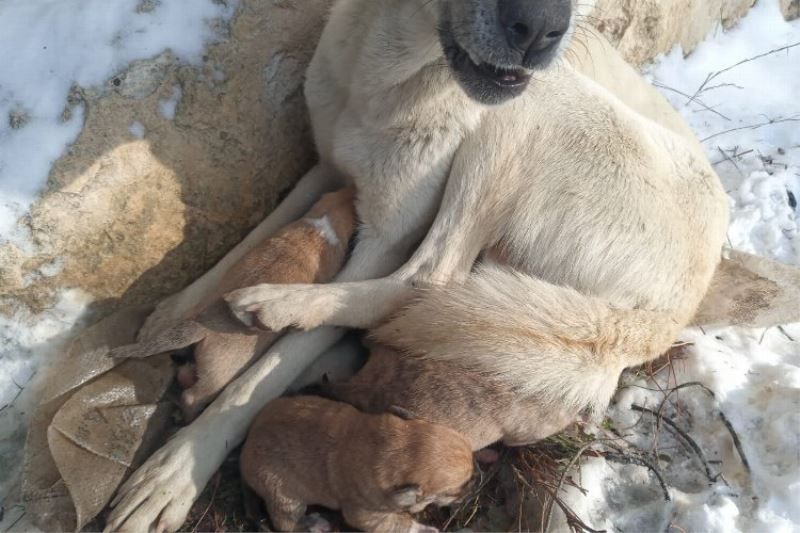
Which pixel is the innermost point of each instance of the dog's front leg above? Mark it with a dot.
(161, 492)
(309, 189)
(447, 254)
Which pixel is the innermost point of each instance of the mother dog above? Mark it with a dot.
(457, 122)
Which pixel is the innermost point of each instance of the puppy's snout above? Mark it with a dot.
(534, 27)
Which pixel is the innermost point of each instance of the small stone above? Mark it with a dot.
(75, 95)
(18, 118)
(146, 6)
(143, 77)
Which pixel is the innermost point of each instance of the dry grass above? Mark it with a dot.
(221, 505)
(519, 492)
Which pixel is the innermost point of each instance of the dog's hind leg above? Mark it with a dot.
(182, 335)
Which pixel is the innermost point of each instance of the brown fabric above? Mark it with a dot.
(95, 423)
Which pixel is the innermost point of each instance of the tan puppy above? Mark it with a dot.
(376, 468)
(310, 250)
(483, 409)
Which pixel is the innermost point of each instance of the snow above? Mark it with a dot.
(754, 374)
(170, 105)
(137, 130)
(26, 339)
(52, 45)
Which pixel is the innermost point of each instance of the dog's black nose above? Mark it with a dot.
(533, 26)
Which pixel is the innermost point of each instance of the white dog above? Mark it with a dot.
(599, 221)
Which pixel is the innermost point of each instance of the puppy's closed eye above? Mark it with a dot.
(398, 411)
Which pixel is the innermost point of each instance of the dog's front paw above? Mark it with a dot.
(276, 307)
(159, 495)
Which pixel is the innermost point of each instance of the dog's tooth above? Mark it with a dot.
(475, 59)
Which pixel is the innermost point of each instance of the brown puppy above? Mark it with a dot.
(310, 250)
(307, 450)
(480, 408)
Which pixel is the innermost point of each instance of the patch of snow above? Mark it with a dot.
(749, 120)
(53, 268)
(52, 46)
(170, 105)
(26, 341)
(137, 130)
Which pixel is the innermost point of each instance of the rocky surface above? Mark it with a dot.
(176, 163)
(642, 29)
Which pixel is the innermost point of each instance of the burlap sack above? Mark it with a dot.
(97, 420)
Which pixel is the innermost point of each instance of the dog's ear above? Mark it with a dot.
(751, 291)
(405, 414)
(407, 495)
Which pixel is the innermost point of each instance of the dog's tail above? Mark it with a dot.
(544, 340)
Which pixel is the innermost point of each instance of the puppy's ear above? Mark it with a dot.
(487, 456)
(405, 414)
(407, 495)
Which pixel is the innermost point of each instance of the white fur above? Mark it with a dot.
(325, 229)
(596, 211)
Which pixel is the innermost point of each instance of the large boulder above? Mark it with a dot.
(150, 197)
(174, 165)
(642, 29)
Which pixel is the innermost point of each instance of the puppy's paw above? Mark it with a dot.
(276, 307)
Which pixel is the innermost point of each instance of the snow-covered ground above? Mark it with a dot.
(749, 120)
(750, 117)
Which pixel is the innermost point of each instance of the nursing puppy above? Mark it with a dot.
(482, 409)
(377, 469)
(309, 250)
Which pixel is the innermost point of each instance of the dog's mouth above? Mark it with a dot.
(503, 77)
(483, 81)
